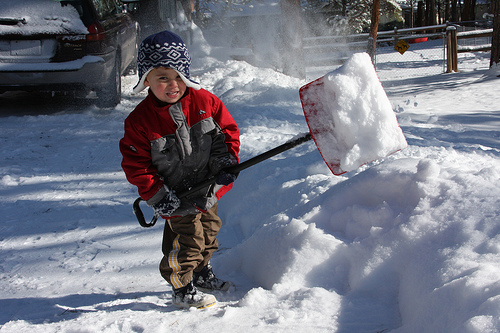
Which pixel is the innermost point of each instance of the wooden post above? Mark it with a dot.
(451, 49)
(372, 40)
(454, 48)
(495, 39)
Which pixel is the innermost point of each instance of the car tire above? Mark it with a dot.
(110, 94)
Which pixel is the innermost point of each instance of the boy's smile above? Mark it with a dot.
(166, 84)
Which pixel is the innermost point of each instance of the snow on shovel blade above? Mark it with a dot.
(350, 117)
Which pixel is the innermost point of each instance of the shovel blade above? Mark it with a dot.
(350, 117)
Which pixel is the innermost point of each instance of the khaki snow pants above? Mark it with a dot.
(188, 244)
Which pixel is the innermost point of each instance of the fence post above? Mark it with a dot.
(372, 48)
(451, 49)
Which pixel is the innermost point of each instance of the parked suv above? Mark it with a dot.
(60, 45)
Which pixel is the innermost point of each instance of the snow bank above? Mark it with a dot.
(409, 242)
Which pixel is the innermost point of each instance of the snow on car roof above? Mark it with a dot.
(28, 17)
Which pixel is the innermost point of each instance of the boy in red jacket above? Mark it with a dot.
(178, 136)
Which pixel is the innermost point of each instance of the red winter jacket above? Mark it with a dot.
(179, 146)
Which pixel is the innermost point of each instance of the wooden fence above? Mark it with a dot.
(331, 50)
(452, 37)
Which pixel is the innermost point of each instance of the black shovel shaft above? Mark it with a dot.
(233, 169)
(251, 162)
(268, 154)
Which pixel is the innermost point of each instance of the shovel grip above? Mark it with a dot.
(140, 216)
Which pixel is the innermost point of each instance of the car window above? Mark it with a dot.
(75, 3)
(42, 17)
(81, 7)
(105, 8)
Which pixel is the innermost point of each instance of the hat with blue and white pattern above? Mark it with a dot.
(164, 49)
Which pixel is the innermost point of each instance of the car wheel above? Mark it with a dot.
(110, 95)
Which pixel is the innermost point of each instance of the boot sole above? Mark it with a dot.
(206, 304)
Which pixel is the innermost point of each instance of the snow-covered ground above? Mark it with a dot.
(410, 243)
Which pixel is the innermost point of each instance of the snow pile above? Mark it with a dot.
(350, 116)
(40, 17)
(409, 243)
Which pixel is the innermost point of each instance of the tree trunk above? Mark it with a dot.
(420, 19)
(469, 13)
(495, 41)
(372, 41)
(412, 15)
(447, 11)
(454, 11)
(430, 12)
(188, 6)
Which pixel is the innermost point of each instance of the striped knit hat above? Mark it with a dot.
(164, 49)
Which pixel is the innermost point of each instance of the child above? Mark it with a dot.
(178, 136)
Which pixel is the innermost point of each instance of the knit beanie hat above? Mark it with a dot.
(164, 49)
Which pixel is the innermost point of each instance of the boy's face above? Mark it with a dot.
(166, 84)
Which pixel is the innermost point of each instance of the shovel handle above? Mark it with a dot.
(248, 163)
(140, 216)
(268, 154)
(232, 169)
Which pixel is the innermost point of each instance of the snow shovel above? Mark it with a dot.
(349, 117)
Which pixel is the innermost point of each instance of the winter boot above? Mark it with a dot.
(207, 281)
(188, 296)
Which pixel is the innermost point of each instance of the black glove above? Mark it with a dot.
(167, 205)
(219, 163)
(225, 178)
